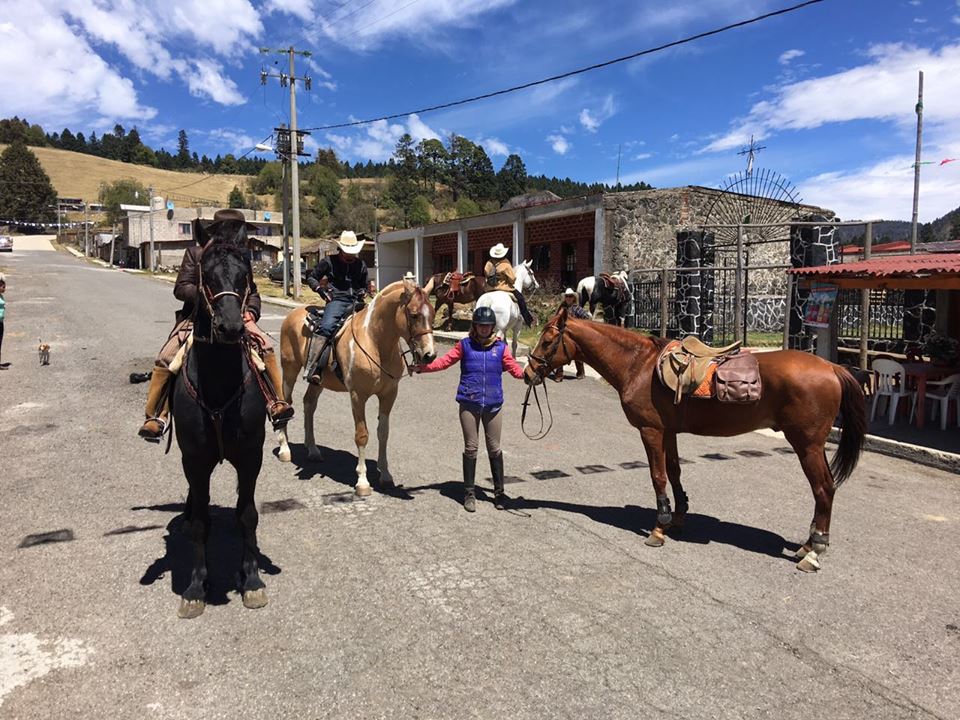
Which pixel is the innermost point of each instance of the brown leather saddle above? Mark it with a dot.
(615, 284)
(693, 369)
(454, 281)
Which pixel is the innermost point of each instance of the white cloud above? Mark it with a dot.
(378, 140)
(302, 9)
(591, 121)
(205, 79)
(789, 55)
(494, 147)
(559, 144)
(882, 89)
(71, 81)
(419, 130)
(234, 141)
(371, 23)
(643, 156)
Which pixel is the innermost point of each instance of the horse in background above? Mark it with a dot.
(469, 291)
(367, 351)
(505, 306)
(218, 411)
(595, 290)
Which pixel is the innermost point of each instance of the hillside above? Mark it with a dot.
(77, 175)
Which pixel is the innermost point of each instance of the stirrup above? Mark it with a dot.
(282, 417)
(150, 436)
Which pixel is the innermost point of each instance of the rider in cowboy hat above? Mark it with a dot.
(347, 273)
(574, 310)
(483, 357)
(500, 276)
(187, 289)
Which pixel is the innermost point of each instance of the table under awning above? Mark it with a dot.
(939, 271)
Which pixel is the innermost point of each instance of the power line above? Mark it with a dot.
(380, 19)
(515, 88)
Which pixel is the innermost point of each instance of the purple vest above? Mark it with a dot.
(481, 371)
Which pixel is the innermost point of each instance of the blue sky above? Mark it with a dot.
(829, 89)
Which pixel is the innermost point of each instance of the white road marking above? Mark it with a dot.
(24, 657)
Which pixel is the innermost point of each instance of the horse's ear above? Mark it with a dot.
(428, 288)
(562, 318)
(528, 263)
(200, 232)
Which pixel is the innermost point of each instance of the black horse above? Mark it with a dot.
(614, 297)
(218, 409)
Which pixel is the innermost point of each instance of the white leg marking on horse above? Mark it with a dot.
(284, 453)
(24, 657)
(352, 346)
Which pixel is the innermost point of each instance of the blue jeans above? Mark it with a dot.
(333, 313)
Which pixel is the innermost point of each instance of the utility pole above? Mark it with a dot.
(284, 208)
(295, 150)
(86, 229)
(150, 216)
(916, 168)
(619, 148)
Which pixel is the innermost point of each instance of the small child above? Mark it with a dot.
(3, 310)
(483, 357)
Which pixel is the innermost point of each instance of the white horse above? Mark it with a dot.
(586, 287)
(505, 307)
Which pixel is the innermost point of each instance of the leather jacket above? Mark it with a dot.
(188, 280)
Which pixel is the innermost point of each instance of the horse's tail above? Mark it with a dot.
(582, 292)
(853, 426)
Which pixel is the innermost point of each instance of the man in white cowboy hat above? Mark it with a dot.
(341, 280)
(500, 276)
(576, 311)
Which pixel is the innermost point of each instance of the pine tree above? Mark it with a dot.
(512, 179)
(236, 198)
(183, 150)
(26, 193)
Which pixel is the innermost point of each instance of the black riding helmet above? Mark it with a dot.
(484, 316)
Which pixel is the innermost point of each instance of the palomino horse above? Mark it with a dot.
(218, 409)
(592, 291)
(505, 307)
(802, 394)
(368, 353)
(468, 293)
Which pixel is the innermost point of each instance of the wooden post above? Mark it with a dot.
(786, 316)
(664, 303)
(865, 298)
(738, 288)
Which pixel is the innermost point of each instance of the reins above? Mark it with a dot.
(544, 365)
(403, 353)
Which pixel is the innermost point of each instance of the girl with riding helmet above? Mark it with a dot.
(483, 358)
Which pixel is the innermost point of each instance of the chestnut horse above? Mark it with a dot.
(468, 293)
(802, 394)
(369, 355)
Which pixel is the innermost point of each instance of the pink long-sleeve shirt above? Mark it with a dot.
(454, 356)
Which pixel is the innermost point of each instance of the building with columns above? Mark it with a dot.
(566, 239)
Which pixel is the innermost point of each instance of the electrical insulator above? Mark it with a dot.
(283, 80)
(307, 82)
(263, 77)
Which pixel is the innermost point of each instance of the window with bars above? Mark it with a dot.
(185, 229)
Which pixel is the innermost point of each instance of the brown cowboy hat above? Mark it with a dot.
(203, 229)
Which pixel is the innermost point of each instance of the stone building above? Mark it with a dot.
(571, 239)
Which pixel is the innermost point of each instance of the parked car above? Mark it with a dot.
(6, 243)
(276, 272)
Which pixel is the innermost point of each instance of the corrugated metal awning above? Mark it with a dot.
(927, 271)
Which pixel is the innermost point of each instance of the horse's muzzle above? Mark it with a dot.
(530, 377)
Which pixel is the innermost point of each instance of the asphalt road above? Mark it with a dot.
(407, 607)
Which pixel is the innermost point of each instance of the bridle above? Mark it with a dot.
(543, 368)
(412, 334)
(210, 299)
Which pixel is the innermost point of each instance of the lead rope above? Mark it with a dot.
(541, 433)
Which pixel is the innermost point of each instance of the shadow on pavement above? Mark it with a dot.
(339, 466)
(700, 529)
(224, 553)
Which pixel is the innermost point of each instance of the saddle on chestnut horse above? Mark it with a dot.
(693, 369)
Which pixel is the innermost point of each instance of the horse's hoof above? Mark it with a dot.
(190, 609)
(255, 599)
(284, 455)
(655, 539)
(802, 552)
(809, 563)
(363, 490)
(315, 456)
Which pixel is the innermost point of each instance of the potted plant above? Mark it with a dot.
(942, 349)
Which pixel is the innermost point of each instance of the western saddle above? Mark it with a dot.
(693, 368)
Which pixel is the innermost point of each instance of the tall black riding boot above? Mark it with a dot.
(469, 477)
(500, 499)
(524, 311)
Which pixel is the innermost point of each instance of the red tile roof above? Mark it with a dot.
(915, 267)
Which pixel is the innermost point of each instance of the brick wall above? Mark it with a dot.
(444, 251)
(480, 241)
(549, 242)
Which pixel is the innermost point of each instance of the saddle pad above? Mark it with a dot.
(313, 318)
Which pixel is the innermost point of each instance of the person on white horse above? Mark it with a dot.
(500, 276)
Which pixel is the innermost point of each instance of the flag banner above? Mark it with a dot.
(819, 305)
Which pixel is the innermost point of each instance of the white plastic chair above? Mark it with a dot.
(891, 382)
(950, 390)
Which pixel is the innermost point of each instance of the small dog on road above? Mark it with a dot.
(44, 350)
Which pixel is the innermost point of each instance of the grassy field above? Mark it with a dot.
(75, 175)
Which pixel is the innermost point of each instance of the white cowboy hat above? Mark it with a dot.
(348, 242)
(498, 251)
(569, 291)
(409, 276)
